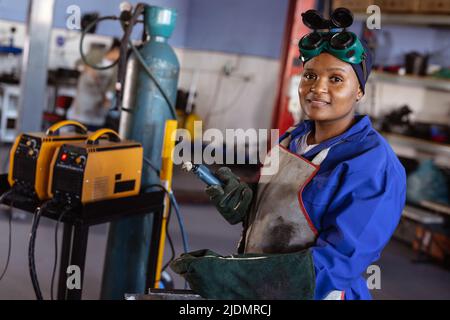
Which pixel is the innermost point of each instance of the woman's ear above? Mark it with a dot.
(359, 95)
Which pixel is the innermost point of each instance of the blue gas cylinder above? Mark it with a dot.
(129, 242)
(151, 110)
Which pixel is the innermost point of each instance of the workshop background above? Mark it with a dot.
(239, 58)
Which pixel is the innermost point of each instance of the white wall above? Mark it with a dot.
(245, 99)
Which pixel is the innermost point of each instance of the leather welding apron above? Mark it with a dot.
(279, 222)
(273, 264)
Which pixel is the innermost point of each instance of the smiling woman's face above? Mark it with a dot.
(328, 89)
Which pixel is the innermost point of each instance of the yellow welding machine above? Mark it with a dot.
(97, 169)
(32, 154)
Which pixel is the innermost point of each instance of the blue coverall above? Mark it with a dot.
(355, 203)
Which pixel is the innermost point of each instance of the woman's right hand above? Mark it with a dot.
(233, 199)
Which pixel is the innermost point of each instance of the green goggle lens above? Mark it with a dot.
(312, 41)
(343, 45)
(342, 40)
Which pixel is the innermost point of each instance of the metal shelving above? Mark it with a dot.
(425, 82)
(421, 145)
(429, 214)
(422, 216)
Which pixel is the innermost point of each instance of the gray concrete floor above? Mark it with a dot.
(400, 278)
(205, 228)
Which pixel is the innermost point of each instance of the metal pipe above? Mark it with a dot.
(33, 89)
(129, 97)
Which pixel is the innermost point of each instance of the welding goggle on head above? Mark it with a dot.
(343, 44)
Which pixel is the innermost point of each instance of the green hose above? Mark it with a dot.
(150, 74)
(135, 51)
(83, 35)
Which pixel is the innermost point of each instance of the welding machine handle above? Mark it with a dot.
(54, 128)
(112, 135)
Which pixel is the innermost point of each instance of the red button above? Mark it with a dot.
(64, 157)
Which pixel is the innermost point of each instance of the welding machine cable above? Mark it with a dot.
(65, 210)
(180, 221)
(2, 198)
(9, 245)
(152, 166)
(31, 247)
(174, 203)
(169, 238)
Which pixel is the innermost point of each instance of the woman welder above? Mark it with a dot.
(312, 229)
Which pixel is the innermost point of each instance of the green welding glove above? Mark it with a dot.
(182, 264)
(233, 200)
(288, 276)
